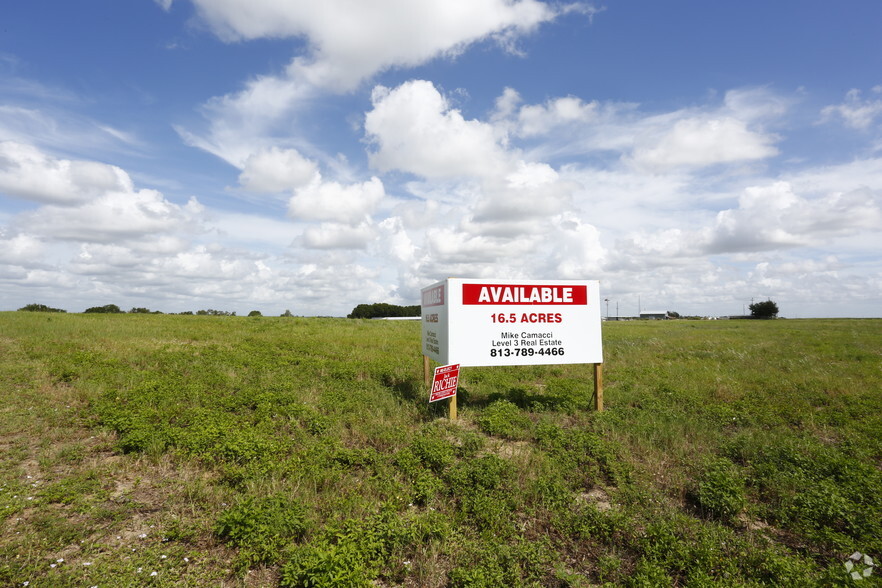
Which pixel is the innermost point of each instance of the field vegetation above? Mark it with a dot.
(157, 450)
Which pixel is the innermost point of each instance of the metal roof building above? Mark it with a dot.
(654, 314)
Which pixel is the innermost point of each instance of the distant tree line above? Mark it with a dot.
(107, 309)
(40, 308)
(383, 310)
(114, 309)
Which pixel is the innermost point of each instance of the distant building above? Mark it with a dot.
(396, 318)
(656, 315)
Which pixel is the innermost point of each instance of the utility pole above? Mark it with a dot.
(607, 307)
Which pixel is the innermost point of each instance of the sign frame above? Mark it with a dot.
(503, 322)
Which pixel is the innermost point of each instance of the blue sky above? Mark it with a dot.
(273, 155)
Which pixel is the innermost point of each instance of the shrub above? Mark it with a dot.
(40, 308)
(354, 552)
(504, 419)
(107, 308)
(255, 313)
(262, 527)
(719, 491)
(381, 309)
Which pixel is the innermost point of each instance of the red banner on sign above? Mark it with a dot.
(528, 294)
(444, 383)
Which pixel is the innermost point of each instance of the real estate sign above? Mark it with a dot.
(444, 383)
(477, 322)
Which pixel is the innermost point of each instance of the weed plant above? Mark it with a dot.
(155, 450)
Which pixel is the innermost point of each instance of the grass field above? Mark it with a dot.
(153, 450)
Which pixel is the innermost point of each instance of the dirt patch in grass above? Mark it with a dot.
(90, 512)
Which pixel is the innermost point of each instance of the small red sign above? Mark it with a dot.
(444, 384)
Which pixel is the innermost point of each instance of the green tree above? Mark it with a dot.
(255, 313)
(40, 308)
(382, 309)
(107, 308)
(213, 312)
(764, 310)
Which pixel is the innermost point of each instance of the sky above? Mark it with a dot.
(279, 155)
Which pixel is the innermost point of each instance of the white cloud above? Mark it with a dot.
(770, 217)
(541, 119)
(247, 122)
(856, 112)
(332, 201)
(213, 266)
(729, 132)
(415, 130)
(449, 246)
(336, 287)
(577, 252)
(350, 41)
(252, 231)
(347, 43)
(52, 127)
(396, 242)
(532, 192)
(643, 250)
(89, 201)
(337, 236)
(19, 249)
(29, 173)
(702, 141)
(277, 170)
(845, 177)
(773, 217)
(113, 216)
(755, 104)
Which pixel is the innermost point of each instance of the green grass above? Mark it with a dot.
(151, 450)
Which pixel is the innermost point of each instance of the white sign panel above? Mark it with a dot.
(477, 322)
